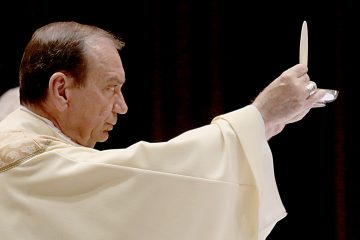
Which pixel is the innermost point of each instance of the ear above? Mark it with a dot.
(57, 86)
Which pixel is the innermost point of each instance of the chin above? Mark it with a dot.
(104, 137)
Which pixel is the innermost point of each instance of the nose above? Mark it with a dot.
(120, 105)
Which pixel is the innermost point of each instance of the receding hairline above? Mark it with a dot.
(59, 46)
(54, 30)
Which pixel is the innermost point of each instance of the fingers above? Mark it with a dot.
(311, 87)
(315, 99)
(298, 69)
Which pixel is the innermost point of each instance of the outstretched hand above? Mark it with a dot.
(287, 99)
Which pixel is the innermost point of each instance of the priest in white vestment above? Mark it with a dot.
(215, 182)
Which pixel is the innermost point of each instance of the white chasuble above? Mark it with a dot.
(215, 182)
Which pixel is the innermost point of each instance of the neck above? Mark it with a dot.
(42, 110)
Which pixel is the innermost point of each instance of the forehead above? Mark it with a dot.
(104, 63)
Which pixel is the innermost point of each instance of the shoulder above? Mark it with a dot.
(18, 146)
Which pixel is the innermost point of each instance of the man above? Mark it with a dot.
(213, 182)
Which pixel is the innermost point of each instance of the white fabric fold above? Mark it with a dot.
(215, 182)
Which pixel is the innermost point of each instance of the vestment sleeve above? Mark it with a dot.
(251, 134)
(232, 149)
(215, 182)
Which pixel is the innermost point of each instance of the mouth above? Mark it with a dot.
(108, 127)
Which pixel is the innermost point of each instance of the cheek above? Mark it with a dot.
(99, 114)
(104, 110)
(93, 107)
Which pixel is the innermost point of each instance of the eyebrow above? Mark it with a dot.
(113, 79)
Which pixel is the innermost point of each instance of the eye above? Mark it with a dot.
(112, 88)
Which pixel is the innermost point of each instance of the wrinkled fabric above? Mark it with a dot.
(215, 182)
(9, 101)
